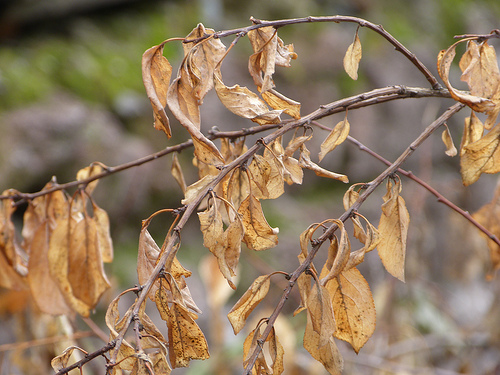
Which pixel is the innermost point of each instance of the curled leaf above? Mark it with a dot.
(451, 150)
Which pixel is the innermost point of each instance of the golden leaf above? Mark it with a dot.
(473, 131)
(236, 187)
(196, 188)
(352, 57)
(489, 217)
(275, 350)
(258, 234)
(353, 307)
(105, 243)
(393, 228)
(176, 171)
(451, 150)
(481, 156)
(338, 255)
(338, 135)
(244, 103)
(280, 102)
(306, 162)
(185, 338)
(12, 257)
(87, 172)
(202, 58)
(320, 328)
(248, 301)
(485, 91)
(61, 361)
(350, 197)
(260, 172)
(156, 73)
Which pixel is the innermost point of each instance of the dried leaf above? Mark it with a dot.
(280, 102)
(105, 243)
(338, 135)
(481, 73)
(156, 73)
(275, 184)
(338, 255)
(61, 361)
(320, 328)
(353, 307)
(482, 156)
(473, 131)
(195, 189)
(176, 171)
(306, 162)
(489, 217)
(258, 234)
(244, 103)
(260, 172)
(87, 172)
(352, 57)
(248, 301)
(185, 338)
(393, 228)
(275, 350)
(451, 150)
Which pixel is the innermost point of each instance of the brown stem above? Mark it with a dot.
(89, 357)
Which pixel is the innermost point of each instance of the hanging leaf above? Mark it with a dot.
(352, 57)
(306, 162)
(280, 102)
(244, 103)
(61, 361)
(275, 353)
(482, 156)
(156, 73)
(258, 234)
(338, 255)
(393, 229)
(353, 307)
(451, 150)
(320, 328)
(248, 302)
(338, 135)
(176, 171)
(473, 131)
(480, 70)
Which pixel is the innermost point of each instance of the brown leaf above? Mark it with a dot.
(248, 301)
(275, 185)
(12, 257)
(353, 307)
(393, 228)
(451, 150)
(258, 234)
(352, 57)
(320, 328)
(338, 135)
(244, 103)
(269, 51)
(185, 338)
(275, 350)
(202, 58)
(156, 73)
(105, 243)
(338, 255)
(280, 102)
(482, 156)
(473, 131)
(306, 162)
(489, 217)
(260, 173)
(61, 361)
(176, 171)
(87, 172)
(480, 71)
(196, 188)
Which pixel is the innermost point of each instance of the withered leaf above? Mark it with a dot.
(306, 162)
(202, 58)
(352, 57)
(338, 135)
(481, 156)
(473, 131)
(280, 102)
(105, 243)
(275, 351)
(485, 94)
(156, 73)
(176, 171)
(87, 172)
(338, 255)
(451, 150)
(196, 188)
(275, 185)
(260, 172)
(185, 338)
(248, 302)
(489, 217)
(320, 328)
(393, 229)
(353, 307)
(258, 234)
(244, 103)
(61, 361)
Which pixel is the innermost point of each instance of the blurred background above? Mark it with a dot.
(71, 93)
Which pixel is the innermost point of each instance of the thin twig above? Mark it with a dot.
(89, 357)
(45, 341)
